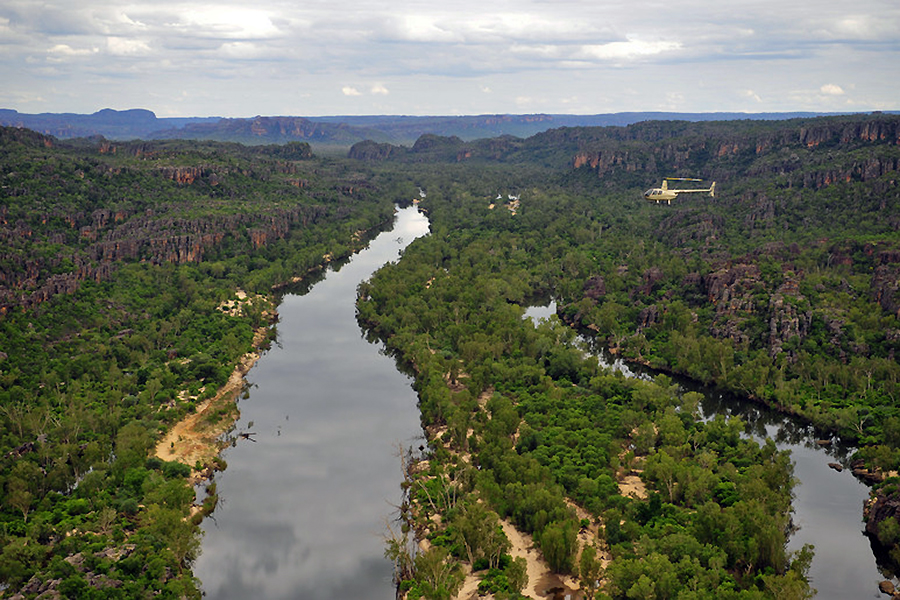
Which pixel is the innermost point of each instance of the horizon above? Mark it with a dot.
(460, 116)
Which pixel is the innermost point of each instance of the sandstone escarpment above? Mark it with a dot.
(797, 153)
(113, 237)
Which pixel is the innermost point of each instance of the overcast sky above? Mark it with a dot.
(315, 57)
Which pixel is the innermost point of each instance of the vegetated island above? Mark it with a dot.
(765, 291)
(121, 256)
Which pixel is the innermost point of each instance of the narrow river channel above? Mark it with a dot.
(828, 504)
(302, 510)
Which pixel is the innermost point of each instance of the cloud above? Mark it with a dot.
(425, 28)
(632, 48)
(61, 52)
(861, 27)
(228, 23)
(242, 50)
(120, 46)
(752, 95)
(447, 57)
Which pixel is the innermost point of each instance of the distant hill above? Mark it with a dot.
(406, 130)
(136, 123)
(338, 131)
(274, 130)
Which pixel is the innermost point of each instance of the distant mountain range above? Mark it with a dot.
(337, 131)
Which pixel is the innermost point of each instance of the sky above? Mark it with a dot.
(456, 57)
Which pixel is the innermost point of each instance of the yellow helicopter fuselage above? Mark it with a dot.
(664, 194)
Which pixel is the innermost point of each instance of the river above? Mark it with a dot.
(302, 510)
(828, 504)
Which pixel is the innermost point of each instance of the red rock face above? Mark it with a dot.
(184, 175)
(719, 154)
(116, 237)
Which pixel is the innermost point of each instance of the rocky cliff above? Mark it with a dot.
(801, 155)
(28, 281)
(74, 214)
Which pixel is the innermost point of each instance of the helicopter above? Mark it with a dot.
(664, 194)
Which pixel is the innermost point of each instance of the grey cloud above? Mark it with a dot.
(324, 46)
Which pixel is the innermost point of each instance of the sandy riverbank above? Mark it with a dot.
(197, 438)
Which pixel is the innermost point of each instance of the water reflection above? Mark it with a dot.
(827, 505)
(302, 510)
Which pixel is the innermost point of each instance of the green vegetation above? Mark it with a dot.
(120, 270)
(782, 289)
(544, 425)
(120, 273)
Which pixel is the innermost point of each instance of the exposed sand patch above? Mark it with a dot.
(234, 307)
(195, 438)
(469, 589)
(632, 485)
(540, 577)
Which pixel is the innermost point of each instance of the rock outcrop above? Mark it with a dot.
(116, 236)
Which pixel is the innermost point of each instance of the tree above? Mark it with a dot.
(173, 532)
(438, 577)
(589, 571)
(558, 543)
(132, 445)
(663, 468)
(480, 533)
(401, 552)
(517, 574)
(22, 486)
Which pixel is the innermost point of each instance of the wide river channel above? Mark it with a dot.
(303, 507)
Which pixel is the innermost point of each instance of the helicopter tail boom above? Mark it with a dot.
(711, 190)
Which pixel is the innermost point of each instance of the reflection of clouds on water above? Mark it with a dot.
(236, 585)
(587, 343)
(302, 512)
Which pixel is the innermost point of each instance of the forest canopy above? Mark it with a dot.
(120, 256)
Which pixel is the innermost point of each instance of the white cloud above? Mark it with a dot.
(242, 50)
(350, 91)
(64, 51)
(424, 28)
(379, 89)
(543, 51)
(752, 95)
(227, 23)
(120, 46)
(632, 48)
(523, 101)
(883, 26)
(832, 89)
